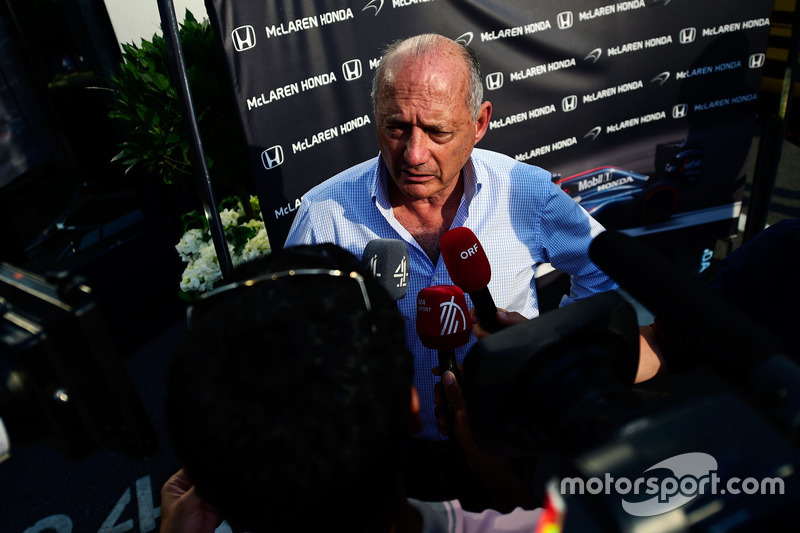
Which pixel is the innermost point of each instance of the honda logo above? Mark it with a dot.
(565, 20)
(352, 69)
(377, 5)
(680, 111)
(244, 38)
(687, 35)
(569, 103)
(272, 157)
(494, 81)
(465, 39)
(757, 60)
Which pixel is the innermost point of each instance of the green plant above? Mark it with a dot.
(245, 236)
(146, 102)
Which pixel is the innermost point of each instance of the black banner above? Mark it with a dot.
(644, 110)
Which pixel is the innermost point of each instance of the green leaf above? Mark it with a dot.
(146, 103)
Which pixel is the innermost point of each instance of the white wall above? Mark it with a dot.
(134, 20)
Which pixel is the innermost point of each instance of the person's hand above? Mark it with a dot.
(183, 510)
(505, 318)
(448, 392)
(651, 359)
(505, 488)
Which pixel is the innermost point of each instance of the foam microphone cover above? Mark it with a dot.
(465, 259)
(469, 268)
(443, 321)
(388, 261)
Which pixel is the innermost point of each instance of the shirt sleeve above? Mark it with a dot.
(567, 232)
(302, 230)
(449, 517)
(490, 521)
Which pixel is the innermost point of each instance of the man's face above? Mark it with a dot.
(425, 130)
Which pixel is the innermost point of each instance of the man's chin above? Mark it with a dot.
(417, 191)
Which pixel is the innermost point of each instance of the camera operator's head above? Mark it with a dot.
(289, 401)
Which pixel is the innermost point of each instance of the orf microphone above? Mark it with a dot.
(388, 261)
(443, 324)
(469, 268)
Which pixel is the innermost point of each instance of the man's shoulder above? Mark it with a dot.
(496, 163)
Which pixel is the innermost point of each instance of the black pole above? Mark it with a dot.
(169, 25)
(770, 146)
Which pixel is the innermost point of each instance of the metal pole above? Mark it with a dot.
(770, 146)
(169, 25)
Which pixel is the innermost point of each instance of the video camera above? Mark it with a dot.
(723, 457)
(63, 384)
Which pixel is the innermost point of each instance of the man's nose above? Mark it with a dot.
(416, 148)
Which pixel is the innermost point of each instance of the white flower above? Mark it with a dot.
(257, 246)
(197, 249)
(202, 273)
(229, 217)
(190, 244)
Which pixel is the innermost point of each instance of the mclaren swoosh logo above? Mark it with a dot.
(661, 78)
(465, 39)
(594, 55)
(593, 133)
(377, 5)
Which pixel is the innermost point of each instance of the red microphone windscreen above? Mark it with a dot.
(442, 317)
(465, 259)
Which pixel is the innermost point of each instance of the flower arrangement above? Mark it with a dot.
(245, 235)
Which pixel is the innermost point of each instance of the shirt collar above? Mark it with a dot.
(380, 189)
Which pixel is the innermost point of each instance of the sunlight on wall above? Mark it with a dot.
(137, 19)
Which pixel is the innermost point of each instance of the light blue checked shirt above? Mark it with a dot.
(519, 216)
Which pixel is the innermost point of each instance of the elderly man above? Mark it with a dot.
(429, 178)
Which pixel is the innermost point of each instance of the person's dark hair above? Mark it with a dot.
(288, 403)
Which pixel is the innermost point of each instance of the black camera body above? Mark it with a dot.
(719, 456)
(64, 383)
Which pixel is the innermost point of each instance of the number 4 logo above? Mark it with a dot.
(148, 515)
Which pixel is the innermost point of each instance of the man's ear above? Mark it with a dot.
(482, 124)
(414, 411)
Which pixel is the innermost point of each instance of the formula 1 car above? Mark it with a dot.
(618, 198)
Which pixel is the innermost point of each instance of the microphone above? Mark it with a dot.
(388, 261)
(443, 325)
(469, 268)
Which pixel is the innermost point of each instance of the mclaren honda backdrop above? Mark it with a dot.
(643, 110)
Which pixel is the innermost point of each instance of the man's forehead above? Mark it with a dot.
(424, 106)
(425, 83)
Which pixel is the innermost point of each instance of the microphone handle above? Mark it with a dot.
(486, 310)
(447, 361)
